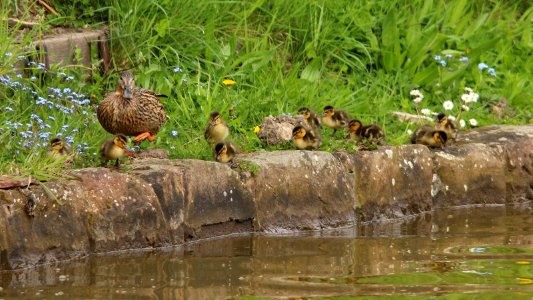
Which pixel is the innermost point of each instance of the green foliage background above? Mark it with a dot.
(361, 56)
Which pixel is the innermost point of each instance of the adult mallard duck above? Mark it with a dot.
(447, 125)
(225, 152)
(310, 117)
(429, 136)
(373, 133)
(305, 138)
(113, 149)
(336, 119)
(216, 131)
(132, 111)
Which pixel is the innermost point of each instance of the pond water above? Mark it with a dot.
(482, 253)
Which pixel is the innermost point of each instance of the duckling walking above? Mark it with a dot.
(113, 149)
(336, 119)
(429, 136)
(225, 152)
(216, 131)
(310, 117)
(447, 125)
(306, 138)
(132, 111)
(373, 133)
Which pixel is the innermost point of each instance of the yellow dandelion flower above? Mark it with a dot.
(522, 262)
(229, 82)
(524, 280)
(257, 129)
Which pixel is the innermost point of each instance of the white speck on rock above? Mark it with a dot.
(225, 194)
(389, 153)
(466, 188)
(502, 139)
(393, 182)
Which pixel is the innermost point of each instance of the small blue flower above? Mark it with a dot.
(64, 127)
(33, 78)
(59, 134)
(482, 66)
(174, 133)
(19, 75)
(70, 78)
(21, 57)
(184, 80)
(62, 74)
(51, 118)
(463, 59)
(177, 70)
(443, 63)
(449, 56)
(8, 54)
(438, 57)
(69, 139)
(492, 72)
(9, 108)
(44, 135)
(67, 90)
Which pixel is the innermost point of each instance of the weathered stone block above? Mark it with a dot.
(392, 182)
(299, 190)
(210, 192)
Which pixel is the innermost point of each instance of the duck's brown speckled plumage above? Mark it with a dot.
(144, 112)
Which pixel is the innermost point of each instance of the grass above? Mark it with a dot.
(362, 56)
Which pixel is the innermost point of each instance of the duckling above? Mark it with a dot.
(429, 136)
(132, 111)
(114, 149)
(306, 138)
(310, 117)
(59, 150)
(447, 125)
(336, 119)
(225, 152)
(216, 131)
(373, 133)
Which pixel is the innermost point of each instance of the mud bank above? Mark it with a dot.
(169, 202)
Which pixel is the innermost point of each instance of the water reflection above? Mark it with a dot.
(486, 252)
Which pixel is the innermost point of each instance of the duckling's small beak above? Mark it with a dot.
(218, 157)
(212, 123)
(127, 93)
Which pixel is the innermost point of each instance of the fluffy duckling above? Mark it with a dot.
(429, 136)
(447, 125)
(113, 149)
(373, 133)
(310, 117)
(132, 111)
(58, 149)
(336, 119)
(216, 131)
(225, 152)
(306, 138)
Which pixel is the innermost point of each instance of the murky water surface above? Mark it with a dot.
(482, 253)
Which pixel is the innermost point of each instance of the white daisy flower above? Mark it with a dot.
(473, 122)
(465, 108)
(466, 98)
(426, 111)
(462, 123)
(475, 97)
(468, 90)
(409, 131)
(415, 93)
(417, 99)
(448, 105)
(451, 118)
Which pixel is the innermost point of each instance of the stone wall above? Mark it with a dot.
(169, 202)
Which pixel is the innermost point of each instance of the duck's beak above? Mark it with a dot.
(127, 93)
(218, 157)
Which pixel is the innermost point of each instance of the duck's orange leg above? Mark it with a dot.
(143, 136)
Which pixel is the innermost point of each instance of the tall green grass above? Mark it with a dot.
(362, 56)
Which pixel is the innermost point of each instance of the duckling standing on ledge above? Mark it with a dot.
(132, 111)
(225, 152)
(373, 133)
(305, 138)
(113, 149)
(336, 119)
(216, 131)
(310, 117)
(59, 150)
(429, 136)
(447, 125)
